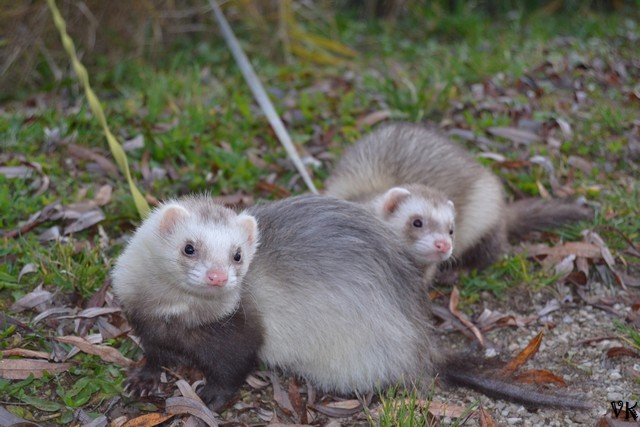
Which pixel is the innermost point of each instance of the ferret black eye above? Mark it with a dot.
(189, 250)
(417, 223)
(451, 232)
(238, 256)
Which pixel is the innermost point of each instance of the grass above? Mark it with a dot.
(405, 408)
(198, 119)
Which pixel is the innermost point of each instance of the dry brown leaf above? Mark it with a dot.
(288, 425)
(19, 369)
(515, 134)
(297, 403)
(118, 422)
(453, 308)
(237, 200)
(542, 190)
(579, 278)
(373, 118)
(93, 312)
(42, 181)
(628, 280)
(622, 352)
(50, 312)
(256, 382)
(512, 164)
(83, 153)
(184, 405)
(582, 266)
(103, 196)
(530, 350)
(581, 164)
(84, 221)
(595, 239)
(107, 330)
(279, 395)
(273, 189)
(451, 322)
(32, 299)
(613, 421)
(344, 408)
(498, 158)
(489, 320)
(75, 210)
(28, 268)
(485, 419)
(579, 249)
(52, 233)
(565, 128)
(22, 352)
(187, 391)
(165, 127)
(35, 219)
(439, 409)
(134, 143)
(145, 169)
(540, 376)
(108, 354)
(550, 307)
(148, 420)
(564, 267)
(15, 171)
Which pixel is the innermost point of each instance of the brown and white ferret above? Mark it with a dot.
(313, 285)
(401, 153)
(181, 281)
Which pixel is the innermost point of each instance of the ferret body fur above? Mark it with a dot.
(329, 295)
(401, 153)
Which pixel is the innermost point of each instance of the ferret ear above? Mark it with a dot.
(450, 203)
(250, 226)
(392, 198)
(171, 216)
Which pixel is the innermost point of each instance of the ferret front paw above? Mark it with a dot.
(217, 398)
(141, 382)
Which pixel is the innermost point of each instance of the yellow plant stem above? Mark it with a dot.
(94, 104)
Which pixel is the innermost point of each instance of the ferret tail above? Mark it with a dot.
(464, 372)
(537, 214)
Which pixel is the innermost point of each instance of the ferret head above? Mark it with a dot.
(423, 218)
(212, 248)
(187, 259)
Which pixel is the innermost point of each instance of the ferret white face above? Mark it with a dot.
(207, 253)
(425, 223)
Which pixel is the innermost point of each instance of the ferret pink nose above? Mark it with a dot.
(217, 277)
(442, 246)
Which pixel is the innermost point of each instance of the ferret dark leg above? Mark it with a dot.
(224, 376)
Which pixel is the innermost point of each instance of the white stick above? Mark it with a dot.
(261, 96)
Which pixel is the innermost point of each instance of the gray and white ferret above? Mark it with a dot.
(313, 285)
(401, 154)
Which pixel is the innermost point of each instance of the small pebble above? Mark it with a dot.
(614, 396)
(615, 375)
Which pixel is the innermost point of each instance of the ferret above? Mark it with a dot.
(402, 153)
(319, 288)
(421, 217)
(181, 280)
